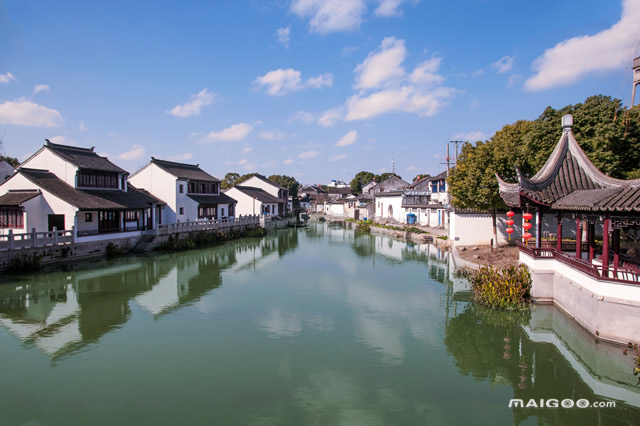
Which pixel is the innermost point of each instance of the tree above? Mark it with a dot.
(12, 161)
(232, 179)
(288, 182)
(360, 180)
(473, 184)
(385, 176)
(420, 176)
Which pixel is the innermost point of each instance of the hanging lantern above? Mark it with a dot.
(526, 236)
(510, 222)
(510, 214)
(509, 231)
(527, 216)
(527, 225)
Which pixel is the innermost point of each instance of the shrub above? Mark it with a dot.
(506, 288)
(114, 250)
(363, 227)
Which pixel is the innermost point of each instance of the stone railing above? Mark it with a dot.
(211, 224)
(33, 239)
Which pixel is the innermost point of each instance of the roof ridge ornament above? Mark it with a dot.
(567, 123)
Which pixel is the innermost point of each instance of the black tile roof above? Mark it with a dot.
(259, 194)
(184, 171)
(16, 198)
(86, 199)
(211, 199)
(569, 180)
(85, 158)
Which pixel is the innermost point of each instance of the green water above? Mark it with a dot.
(303, 327)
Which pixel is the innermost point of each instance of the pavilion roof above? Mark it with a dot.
(569, 181)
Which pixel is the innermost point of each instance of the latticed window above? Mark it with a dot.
(11, 218)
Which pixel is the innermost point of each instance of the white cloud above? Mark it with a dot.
(503, 64)
(191, 108)
(7, 78)
(569, 61)
(381, 170)
(284, 35)
(412, 168)
(272, 135)
(135, 153)
(330, 15)
(235, 132)
(348, 139)
(382, 66)
(82, 126)
(180, 157)
(470, 136)
(514, 79)
(477, 72)
(302, 116)
(243, 161)
(288, 161)
(282, 81)
(388, 8)
(330, 117)
(308, 154)
(425, 73)
(24, 113)
(338, 157)
(405, 99)
(40, 88)
(246, 149)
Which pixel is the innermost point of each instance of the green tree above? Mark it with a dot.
(231, 179)
(360, 180)
(420, 176)
(288, 182)
(12, 161)
(385, 176)
(473, 184)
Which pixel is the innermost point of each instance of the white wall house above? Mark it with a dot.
(254, 201)
(77, 189)
(389, 206)
(272, 188)
(191, 193)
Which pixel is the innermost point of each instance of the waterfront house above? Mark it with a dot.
(388, 198)
(254, 201)
(272, 188)
(392, 183)
(65, 187)
(367, 187)
(316, 197)
(428, 199)
(6, 170)
(191, 193)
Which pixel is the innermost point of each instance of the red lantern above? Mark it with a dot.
(526, 236)
(510, 214)
(509, 231)
(527, 216)
(510, 222)
(527, 225)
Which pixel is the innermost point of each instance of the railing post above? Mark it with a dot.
(11, 241)
(34, 242)
(74, 234)
(55, 235)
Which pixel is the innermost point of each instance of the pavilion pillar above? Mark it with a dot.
(616, 248)
(559, 243)
(578, 238)
(539, 228)
(605, 243)
(591, 238)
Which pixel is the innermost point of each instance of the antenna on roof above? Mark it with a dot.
(393, 166)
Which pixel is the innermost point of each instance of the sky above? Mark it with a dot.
(315, 89)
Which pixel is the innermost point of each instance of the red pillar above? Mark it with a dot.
(616, 248)
(591, 238)
(605, 242)
(559, 244)
(578, 238)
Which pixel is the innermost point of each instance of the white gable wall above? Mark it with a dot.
(47, 160)
(259, 183)
(162, 185)
(246, 204)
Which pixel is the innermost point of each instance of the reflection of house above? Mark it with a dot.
(190, 193)
(272, 188)
(252, 201)
(76, 188)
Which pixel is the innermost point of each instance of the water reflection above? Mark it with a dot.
(60, 312)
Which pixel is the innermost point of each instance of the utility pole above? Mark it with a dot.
(456, 143)
(636, 78)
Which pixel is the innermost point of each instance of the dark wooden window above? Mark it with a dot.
(88, 217)
(207, 212)
(89, 179)
(181, 210)
(132, 215)
(181, 188)
(108, 221)
(11, 218)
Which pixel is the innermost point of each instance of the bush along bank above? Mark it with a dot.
(199, 239)
(367, 224)
(507, 288)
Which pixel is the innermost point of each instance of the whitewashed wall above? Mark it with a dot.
(382, 208)
(160, 184)
(336, 210)
(47, 160)
(259, 183)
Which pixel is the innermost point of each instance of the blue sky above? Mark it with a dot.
(317, 89)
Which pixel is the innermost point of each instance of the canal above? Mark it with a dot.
(312, 326)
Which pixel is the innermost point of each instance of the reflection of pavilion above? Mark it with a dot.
(593, 289)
